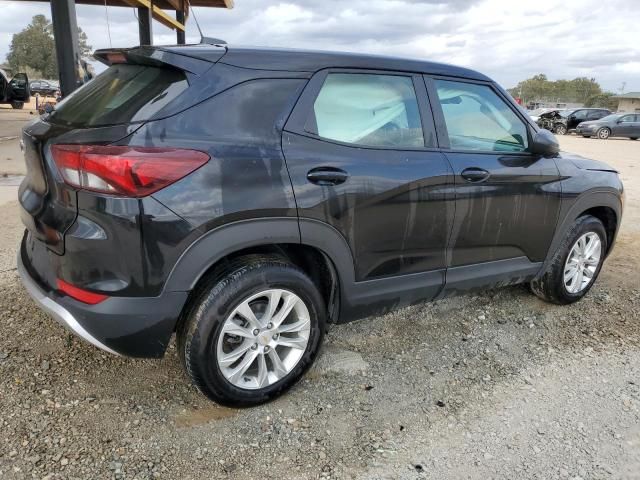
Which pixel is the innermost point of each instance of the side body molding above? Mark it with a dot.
(356, 299)
(369, 297)
(222, 241)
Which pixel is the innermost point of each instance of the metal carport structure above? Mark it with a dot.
(65, 27)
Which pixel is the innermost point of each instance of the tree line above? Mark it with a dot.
(579, 90)
(33, 49)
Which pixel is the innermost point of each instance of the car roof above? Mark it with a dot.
(295, 60)
(588, 108)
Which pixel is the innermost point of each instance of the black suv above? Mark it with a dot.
(245, 198)
(15, 91)
(44, 87)
(570, 119)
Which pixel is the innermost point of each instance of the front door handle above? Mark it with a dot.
(475, 175)
(327, 176)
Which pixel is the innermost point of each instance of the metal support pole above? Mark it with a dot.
(144, 26)
(180, 34)
(65, 32)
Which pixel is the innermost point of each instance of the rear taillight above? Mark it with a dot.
(123, 170)
(79, 294)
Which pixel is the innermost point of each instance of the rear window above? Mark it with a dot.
(121, 94)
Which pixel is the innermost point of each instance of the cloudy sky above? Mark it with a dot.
(507, 39)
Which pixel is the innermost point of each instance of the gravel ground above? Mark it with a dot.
(497, 385)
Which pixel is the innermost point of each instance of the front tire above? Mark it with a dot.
(604, 133)
(560, 129)
(253, 331)
(575, 265)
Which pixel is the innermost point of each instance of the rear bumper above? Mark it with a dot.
(130, 326)
(57, 311)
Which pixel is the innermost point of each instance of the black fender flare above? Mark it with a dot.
(590, 199)
(233, 237)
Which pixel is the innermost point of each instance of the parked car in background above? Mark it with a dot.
(44, 87)
(550, 119)
(571, 118)
(332, 187)
(615, 125)
(15, 91)
(535, 114)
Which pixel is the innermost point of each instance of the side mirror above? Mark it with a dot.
(545, 144)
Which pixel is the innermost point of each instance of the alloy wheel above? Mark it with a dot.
(582, 262)
(561, 130)
(603, 133)
(263, 339)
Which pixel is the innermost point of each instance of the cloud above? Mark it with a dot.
(506, 40)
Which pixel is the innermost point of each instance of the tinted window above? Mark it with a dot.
(19, 80)
(367, 109)
(121, 94)
(628, 118)
(478, 119)
(596, 114)
(580, 114)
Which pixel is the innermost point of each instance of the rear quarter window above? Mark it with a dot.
(121, 94)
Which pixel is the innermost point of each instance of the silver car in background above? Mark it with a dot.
(614, 125)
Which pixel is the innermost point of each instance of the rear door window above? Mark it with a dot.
(596, 114)
(369, 110)
(478, 119)
(121, 94)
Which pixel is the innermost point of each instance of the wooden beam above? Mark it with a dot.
(228, 3)
(158, 14)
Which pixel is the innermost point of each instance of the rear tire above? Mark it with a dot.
(217, 342)
(17, 105)
(552, 285)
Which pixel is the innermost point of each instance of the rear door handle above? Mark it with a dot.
(475, 175)
(327, 176)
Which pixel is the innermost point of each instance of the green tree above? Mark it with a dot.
(540, 89)
(603, 100)
(33, 49)
(86, 50)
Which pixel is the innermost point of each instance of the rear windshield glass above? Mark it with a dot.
(121, 94)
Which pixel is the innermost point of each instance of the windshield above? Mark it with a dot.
(121, 94)
(565, 113)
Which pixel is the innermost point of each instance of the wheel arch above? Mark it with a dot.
(315, 247)
(604, 204)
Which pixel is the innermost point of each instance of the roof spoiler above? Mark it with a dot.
(212, 41)
(153, 57)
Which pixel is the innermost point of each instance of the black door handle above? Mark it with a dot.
(327, 176)
(475, 174)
